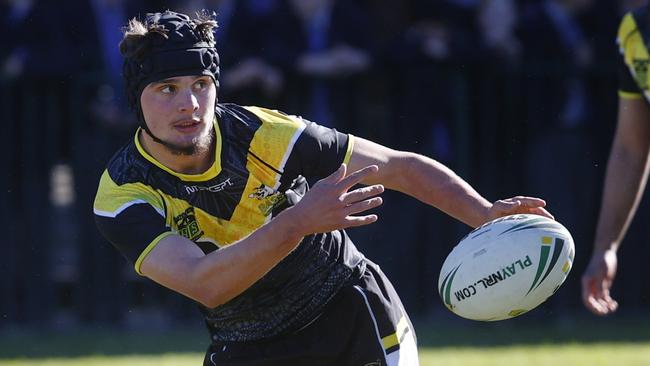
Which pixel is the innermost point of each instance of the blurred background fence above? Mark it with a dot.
(517, 97)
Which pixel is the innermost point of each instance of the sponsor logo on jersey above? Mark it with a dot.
(214, 188)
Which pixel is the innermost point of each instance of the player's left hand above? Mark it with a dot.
(518, 205)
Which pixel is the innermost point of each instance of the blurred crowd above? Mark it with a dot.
(514, 95)
(307, 56)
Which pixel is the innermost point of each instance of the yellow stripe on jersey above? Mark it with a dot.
(634, 51)
(198, 225)
(628, 95)
(394, 339)
(212, 172)
(274, 140)
(348, 153)
(627, 26)
(112, 199)
(149, 248)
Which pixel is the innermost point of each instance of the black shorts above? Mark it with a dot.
(363, 325)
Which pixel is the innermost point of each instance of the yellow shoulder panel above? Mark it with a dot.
(275, 138)
(111, 199)
(627, 26)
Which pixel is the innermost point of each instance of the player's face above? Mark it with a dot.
(179, 111)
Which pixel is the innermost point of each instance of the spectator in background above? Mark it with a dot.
(321, 45)
(109, 107)
(437, 41)
(557, 105)
(555, 45)
(13, 16)
(497, 20)
(627, 168)
(248, 77)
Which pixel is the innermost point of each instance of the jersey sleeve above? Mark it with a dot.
(627, 86)
(628, 40)
(314, 151)
(131, 217)
(319, 151)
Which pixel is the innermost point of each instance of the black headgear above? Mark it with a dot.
(177, 47)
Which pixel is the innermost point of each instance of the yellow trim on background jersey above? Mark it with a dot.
(148, 250)
(629, 95)
(112, 199)
(348, 153)
(393, 340)
(212, 171)
(628, 25)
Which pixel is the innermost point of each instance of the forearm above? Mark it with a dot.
(216, 278)
(240, 265)
(625, 181)
(433, 183)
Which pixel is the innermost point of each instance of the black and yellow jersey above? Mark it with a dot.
(633, 35)
(260, 154)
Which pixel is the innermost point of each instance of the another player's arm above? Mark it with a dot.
(433, 183)
(625, 179)
(627, 173)
(213, 279)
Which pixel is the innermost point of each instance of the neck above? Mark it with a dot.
(196, 163)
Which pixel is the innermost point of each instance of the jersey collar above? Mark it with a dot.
(210, 173)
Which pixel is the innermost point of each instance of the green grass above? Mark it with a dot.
(595, 354)
(598, 354)
(171, 359)
(594, 342)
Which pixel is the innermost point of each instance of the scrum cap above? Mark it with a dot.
(176, 47)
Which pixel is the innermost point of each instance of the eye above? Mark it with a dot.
(167, 89)
(201, 84)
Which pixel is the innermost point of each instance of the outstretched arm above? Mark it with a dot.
(213, 279)
(627, 173)
(433, 183)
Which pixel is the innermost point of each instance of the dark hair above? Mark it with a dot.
(138, 35)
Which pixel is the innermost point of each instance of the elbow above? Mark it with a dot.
(205, 291)
(399, 173)
(210, 301)
(207, 296)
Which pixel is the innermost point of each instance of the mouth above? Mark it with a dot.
(187, 125)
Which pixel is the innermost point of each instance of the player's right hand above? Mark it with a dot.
(330, 205)
(597, 281)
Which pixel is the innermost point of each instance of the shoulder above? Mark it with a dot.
(122, 183)
(257, 125)
(255, 116)
(127, 165)
(634, 22)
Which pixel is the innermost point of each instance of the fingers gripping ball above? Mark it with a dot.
(506, 267)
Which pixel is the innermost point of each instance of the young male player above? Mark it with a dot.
(214, 201)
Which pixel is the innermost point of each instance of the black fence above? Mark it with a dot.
(490, 125)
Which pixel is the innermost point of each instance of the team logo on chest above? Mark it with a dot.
(269, 198)
(187, 224)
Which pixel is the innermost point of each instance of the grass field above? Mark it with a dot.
(600, 342)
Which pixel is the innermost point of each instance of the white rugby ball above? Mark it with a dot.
(506, 267)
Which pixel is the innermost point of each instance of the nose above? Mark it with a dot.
(188, 102)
